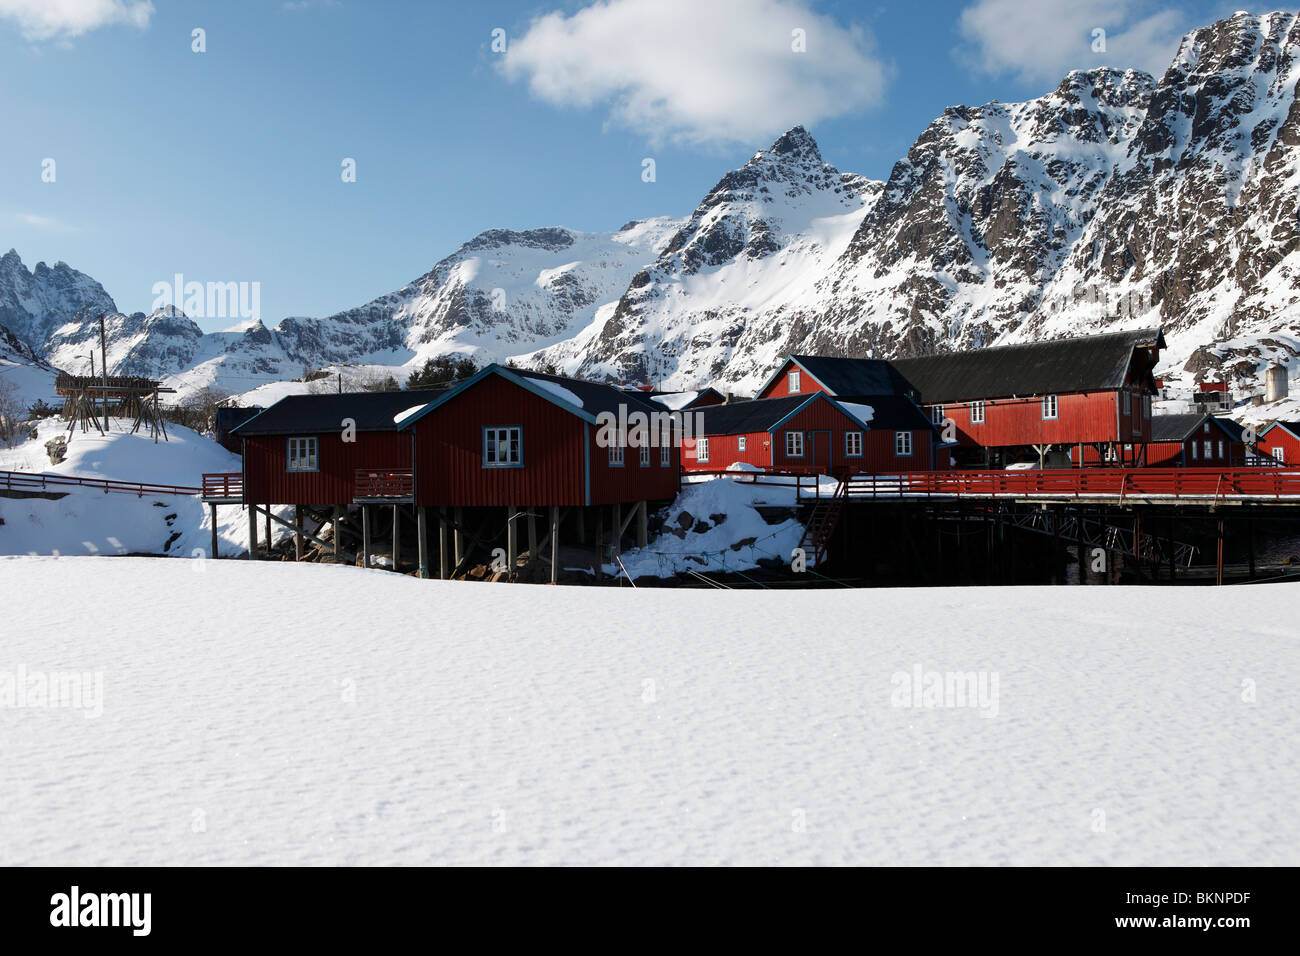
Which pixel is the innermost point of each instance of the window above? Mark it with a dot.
(665, 455)
(1128, 402)
(1195, 448)
(794, 444)
(792, 381)
(616, 451)
(1220, 449)
(902, 444)
(853, 444)
(977, 413)
(936, 414)
(1146, 406)
(1049, 407)
(1209, 449)
(701, 449)
(503, 446)
(645, 456)
(302, 455)
(1279, 455)
(740, 443)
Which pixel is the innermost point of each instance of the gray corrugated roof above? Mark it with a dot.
(597, 397)
(854, 376)
(1182, 427)
(737, 418)
(1087, 363)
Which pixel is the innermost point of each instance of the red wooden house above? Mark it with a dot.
(306, 449)
(813, 434)
(1281, 440)
(1195, 441)
(1083, 395)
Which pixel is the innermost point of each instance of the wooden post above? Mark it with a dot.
(642, 525)
(618, 527)
(458, 536)
(365, 536)
(1080, 547)
(600, 543)
(268, 529)
(252, 531)
(1218, 561)
(512, 540)
(532, 536)
(397, 535)
(1173, 559)
(444, 569)
(297, 532)
(338, 531)
(582, 524)
(214, 530)
(422, 538)
(1250, 544)
(555, 541)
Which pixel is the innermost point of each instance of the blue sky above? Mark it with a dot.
(226, 165)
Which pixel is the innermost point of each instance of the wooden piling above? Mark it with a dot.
(365, 536)
(422, 540)
(555, 542)
(213, 508)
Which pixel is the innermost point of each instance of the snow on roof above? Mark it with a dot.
(676, 401)
(403, 416)
(559, 391)
(863, 413)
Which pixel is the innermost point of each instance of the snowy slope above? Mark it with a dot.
(772, 730)
(30, 377)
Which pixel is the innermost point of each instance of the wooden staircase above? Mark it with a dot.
(820, 526)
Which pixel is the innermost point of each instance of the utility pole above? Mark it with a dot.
(103, 361)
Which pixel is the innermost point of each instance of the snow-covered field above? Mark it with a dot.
(282, 713)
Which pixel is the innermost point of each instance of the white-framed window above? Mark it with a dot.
(303, 455)
(794, 444)
(937, 414)
(1195, 449)
(1209, 449)
(645, 456)
(1050, 407)
(903, 444)
(616, 452)
(977, 413)
(1279, 454)
(665, 455)
(853, 444)
(701, 449)
(792, 382)
(740, 444)
(503, 446)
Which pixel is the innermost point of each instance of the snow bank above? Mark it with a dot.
(537, 725)
(693, 540)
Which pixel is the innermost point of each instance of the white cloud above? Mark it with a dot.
(699, 71)
(64, 19)
(1042, 40)
(48, 223)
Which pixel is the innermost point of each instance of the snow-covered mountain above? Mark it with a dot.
(1114, 200)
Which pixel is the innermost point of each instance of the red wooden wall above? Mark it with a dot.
(780, 386)
(267, 482)
(1081, 417)
(1281, 438)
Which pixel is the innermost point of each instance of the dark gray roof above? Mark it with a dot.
(854, 376)
(736, 418)
(596, 397)
(1087, 363)
(896, 412)
(1181, 427)
(231, 418)
(324, 414)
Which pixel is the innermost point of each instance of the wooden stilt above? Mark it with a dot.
(642, 525)
(214, 532)
(1218, 560)
(532, 536)
(600, 543)
(444, 565)
(458, 535)
(582, 524)
(1082, 549)
(297, 533)
(1173, 560)
(365, 536)
(337, 531)
(397, 535)
(618, 528)
(267, 512)
(512, 540)
(1250, 544)
(252, 532)
(422, 539)
(555, 542)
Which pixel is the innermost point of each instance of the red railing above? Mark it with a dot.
(32, 481)
(384, 483)
(1122, 484)
(225, 484)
